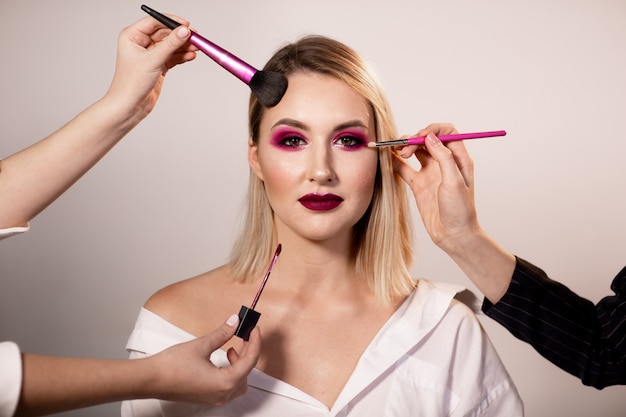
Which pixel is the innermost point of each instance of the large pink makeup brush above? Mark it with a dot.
(268, 87)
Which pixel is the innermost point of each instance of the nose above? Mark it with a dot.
(320, 166)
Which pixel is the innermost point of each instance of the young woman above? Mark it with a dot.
(345, 329)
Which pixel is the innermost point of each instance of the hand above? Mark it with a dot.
(186, 374)
(146, 51)
(443, 187)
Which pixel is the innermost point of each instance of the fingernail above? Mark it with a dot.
(232, 320)
(432, 139)
(182, 32)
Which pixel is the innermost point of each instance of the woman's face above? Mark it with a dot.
(313, 158)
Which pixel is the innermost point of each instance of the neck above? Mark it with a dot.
(320, 268)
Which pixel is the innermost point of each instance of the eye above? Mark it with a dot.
(350, 141)
(292, 141)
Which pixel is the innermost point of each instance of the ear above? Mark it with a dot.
(253, 159)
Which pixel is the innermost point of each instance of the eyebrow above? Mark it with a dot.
(299, 125)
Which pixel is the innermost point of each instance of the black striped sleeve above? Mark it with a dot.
(586, 340)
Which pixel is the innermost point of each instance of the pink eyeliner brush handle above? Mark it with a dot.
(230, 62)
(459, 136)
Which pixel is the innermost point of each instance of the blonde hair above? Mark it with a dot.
(382, 242)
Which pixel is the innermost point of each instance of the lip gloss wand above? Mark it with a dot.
(248, 317)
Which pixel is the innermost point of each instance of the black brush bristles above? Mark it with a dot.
(268, 87)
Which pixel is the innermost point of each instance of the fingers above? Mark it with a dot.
(242, 362)
(171, 47)
(153, 28)
(441, 154)
(436, 128)
(454, 160)
(221, 335)
(186, 372)
(232, 355)
(247, 359)
(164, 45)
(406, 171)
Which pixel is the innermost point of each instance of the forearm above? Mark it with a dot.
(54, 384)
(488, 265)
(579, 337)
(33, 178)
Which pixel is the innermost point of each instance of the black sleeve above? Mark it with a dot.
(586, 340)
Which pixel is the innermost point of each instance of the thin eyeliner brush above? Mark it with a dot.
(419, 140)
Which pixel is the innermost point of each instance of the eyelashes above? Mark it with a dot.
(292, 140)
(289, 141)
(350, 141)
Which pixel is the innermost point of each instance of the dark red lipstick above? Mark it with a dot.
(320, 202)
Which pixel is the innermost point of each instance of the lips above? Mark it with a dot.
(320, 202)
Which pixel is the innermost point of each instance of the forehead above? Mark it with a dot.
(319, 100)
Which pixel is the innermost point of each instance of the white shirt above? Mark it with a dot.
(4, 233)
(10, 359)
(10, 378)
(431, 358)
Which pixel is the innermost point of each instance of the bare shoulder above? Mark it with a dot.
(192, 303)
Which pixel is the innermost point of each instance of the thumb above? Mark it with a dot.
(454, 166)
(174, 41)
(403, 168)
(222, 334)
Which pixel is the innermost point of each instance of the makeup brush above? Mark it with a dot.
(268, 87)
(419, 140)
(248, 317)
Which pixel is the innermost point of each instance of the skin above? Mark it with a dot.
(444, 193)
(180, 373)
(302, 151)
(33, 178)
(314, 292)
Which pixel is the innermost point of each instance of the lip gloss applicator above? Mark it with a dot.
(248, 317)
(419, 140)
(268, 86)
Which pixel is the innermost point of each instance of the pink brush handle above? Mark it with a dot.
(230, 62)
(459, 136)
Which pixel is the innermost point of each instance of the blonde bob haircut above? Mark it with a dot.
(382, 243)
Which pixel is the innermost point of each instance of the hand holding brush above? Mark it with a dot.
(268, 87)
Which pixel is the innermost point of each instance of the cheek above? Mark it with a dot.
(279, 173)
(363, 173)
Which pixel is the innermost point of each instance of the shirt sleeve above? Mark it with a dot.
(584, 339)
(4, 233)
(10, 378)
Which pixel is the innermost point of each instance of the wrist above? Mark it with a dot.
(460, 245)
(151, 382)
(487, 264)
(120, 111)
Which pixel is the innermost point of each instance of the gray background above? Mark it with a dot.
(164, 204)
